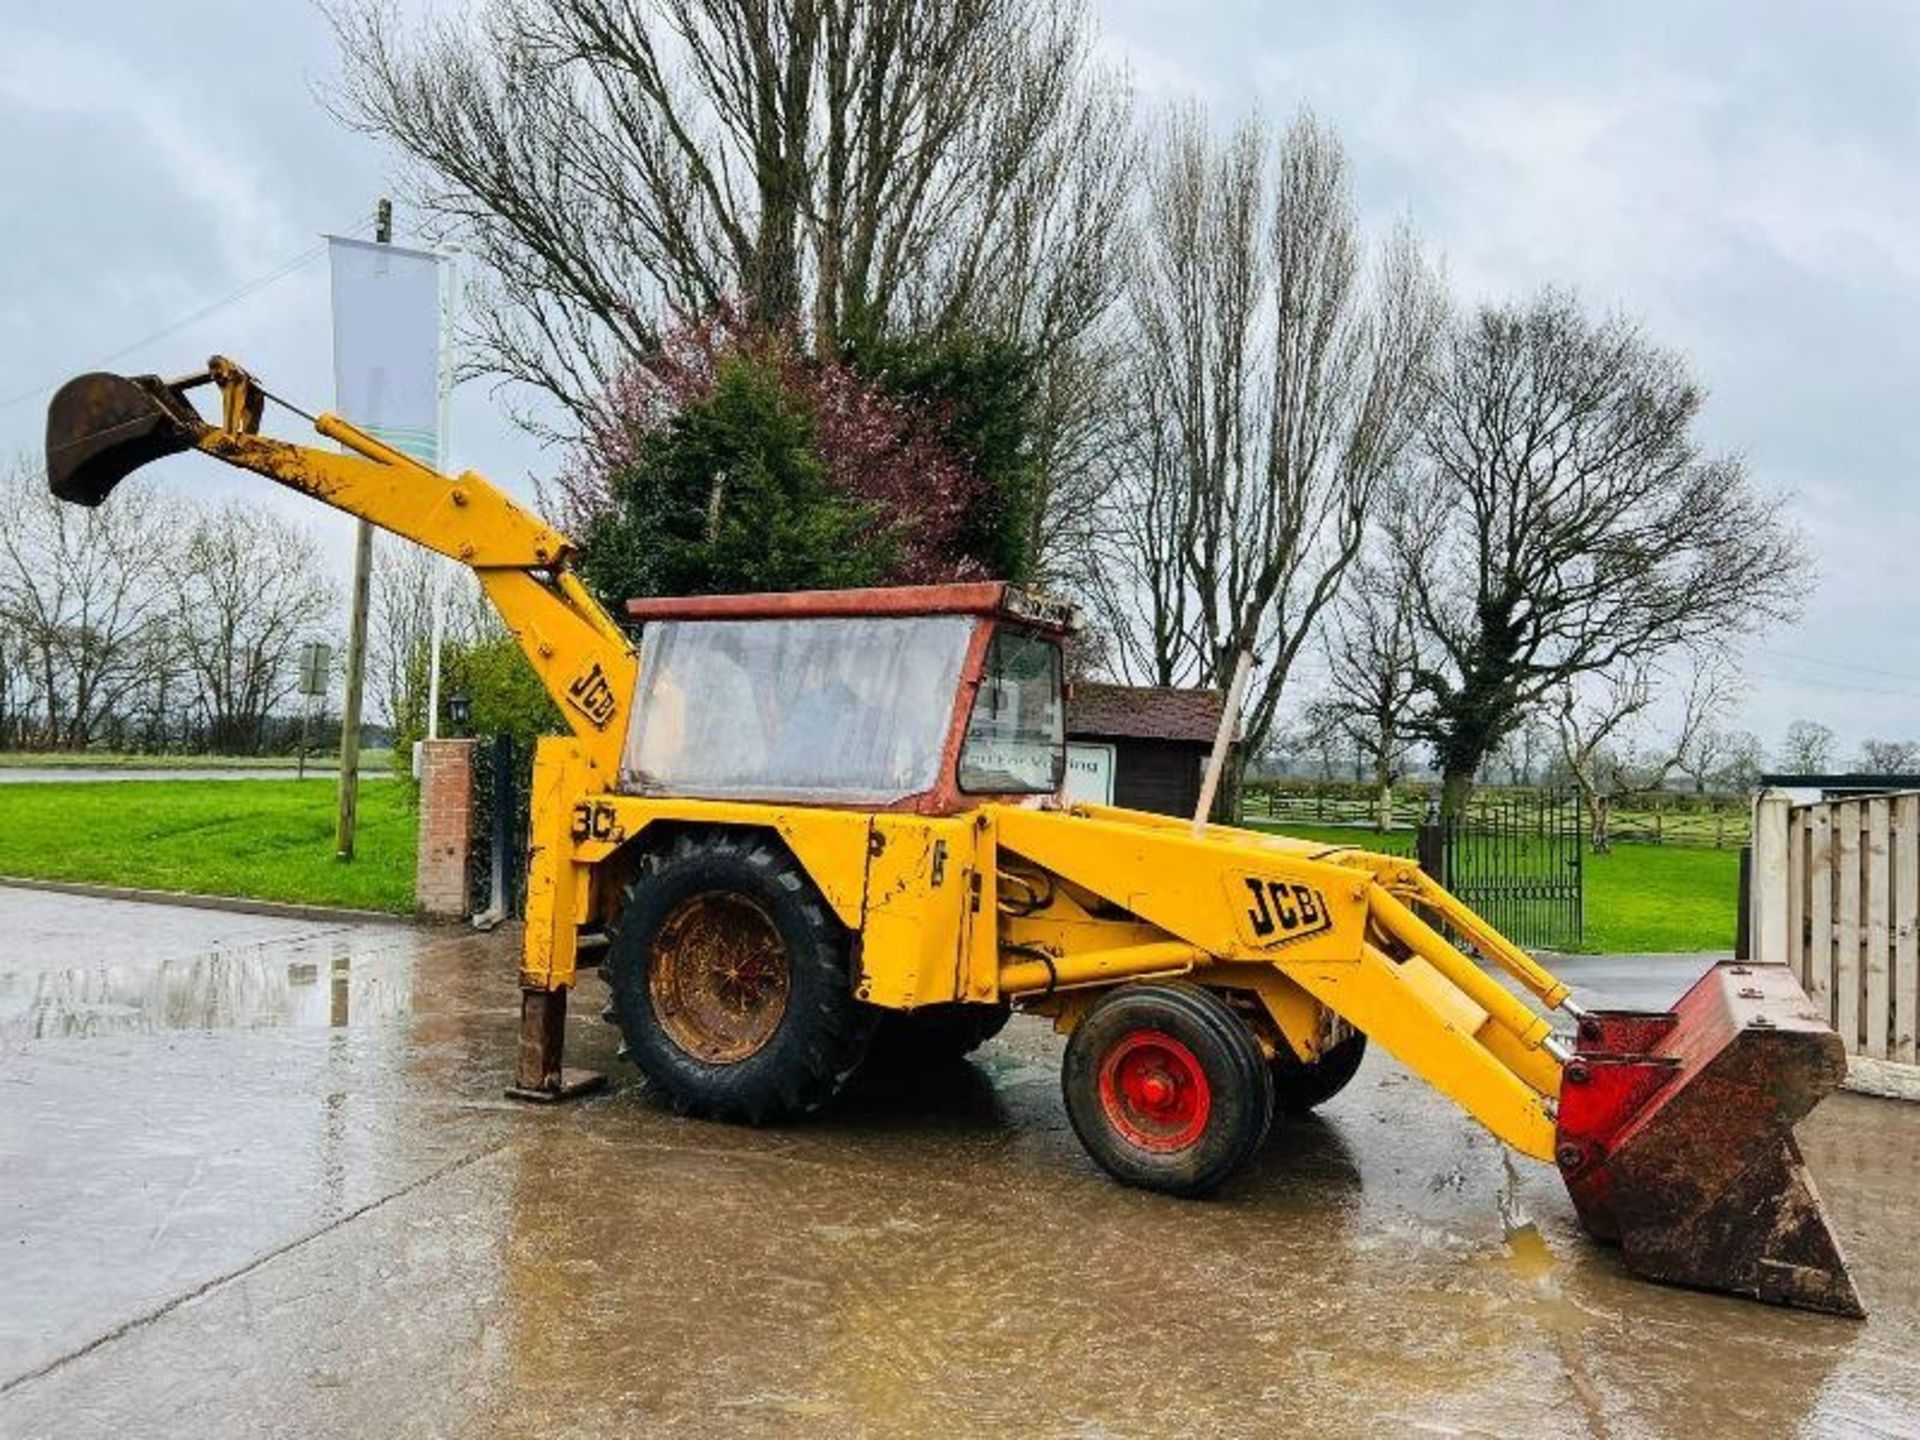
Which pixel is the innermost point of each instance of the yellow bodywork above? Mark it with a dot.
(1045, 907)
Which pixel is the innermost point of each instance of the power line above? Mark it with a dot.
(1839, 664)
(1823, 683)
(240, 292)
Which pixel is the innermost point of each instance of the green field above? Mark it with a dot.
(263, 839)
(1638, 897)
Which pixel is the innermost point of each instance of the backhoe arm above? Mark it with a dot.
(101, 427)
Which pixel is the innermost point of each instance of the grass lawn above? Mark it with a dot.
(1639, 897)
(370, 759)
(264, 839)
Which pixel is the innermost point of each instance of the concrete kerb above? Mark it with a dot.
(233, 904)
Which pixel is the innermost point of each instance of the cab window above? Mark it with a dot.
(1016, 741)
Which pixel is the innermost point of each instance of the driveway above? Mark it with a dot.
(260, 1179)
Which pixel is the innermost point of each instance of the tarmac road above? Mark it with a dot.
(259, 1179)
(104, 774)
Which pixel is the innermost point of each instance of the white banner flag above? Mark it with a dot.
(386, 343)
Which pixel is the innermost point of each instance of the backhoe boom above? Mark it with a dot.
(102, 426)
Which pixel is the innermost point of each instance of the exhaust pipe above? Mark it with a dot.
(102, 427)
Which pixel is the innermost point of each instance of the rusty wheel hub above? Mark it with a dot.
(719, 977)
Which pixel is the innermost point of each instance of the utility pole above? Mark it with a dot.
(357, 642)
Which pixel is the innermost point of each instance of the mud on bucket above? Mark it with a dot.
(1675, 1138)
(102, 427)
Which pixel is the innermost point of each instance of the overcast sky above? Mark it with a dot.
(1741, 178)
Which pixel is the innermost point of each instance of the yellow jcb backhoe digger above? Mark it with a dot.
(804, 821)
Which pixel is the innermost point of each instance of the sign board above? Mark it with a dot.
(386, 343)
(1089, 774)
(316, 668)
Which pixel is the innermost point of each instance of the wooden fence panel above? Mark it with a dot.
(1797, 888)
(1838, 884)
(1906, 928)
(1846, 922)
(1876, 1013)
(1819, 984)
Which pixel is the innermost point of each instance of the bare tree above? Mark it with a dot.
(404, 581)
(1595, 718)
(1522, 749)
(248, 588)
(1807, 748)
(1712, 751)
(407, 582)
(1888, 757)
(1566, 524)
(1275, 374)
(831, 164)
(1746, 758)
(79, 593)
(1371, 645)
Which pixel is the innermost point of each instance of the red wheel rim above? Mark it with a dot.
(1154, 1091)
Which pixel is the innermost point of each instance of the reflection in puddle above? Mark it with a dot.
(324, 985)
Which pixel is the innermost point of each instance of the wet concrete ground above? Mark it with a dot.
(256, 1177)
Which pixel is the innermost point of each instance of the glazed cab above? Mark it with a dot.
(929, 699)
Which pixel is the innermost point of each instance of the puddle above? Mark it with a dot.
(317, 984)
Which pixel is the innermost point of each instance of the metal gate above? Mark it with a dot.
(1516, 858)
(502, 776)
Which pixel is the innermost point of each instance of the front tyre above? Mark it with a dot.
(731, 981)
(1301, 1085)
(1167, 1088)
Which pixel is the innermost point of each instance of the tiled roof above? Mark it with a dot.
(1143, 712)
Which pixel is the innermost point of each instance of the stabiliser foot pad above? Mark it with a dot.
(572, 1085)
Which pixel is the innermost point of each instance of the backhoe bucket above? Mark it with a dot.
(1675, 1136)
(102, 427)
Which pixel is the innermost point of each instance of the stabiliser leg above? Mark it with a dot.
(539, 1076)
(1675, 1137)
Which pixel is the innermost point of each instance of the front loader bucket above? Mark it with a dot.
(102, 427)
(1675, 1136)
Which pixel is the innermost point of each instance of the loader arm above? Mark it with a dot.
(100, 427)
(1673, 1130)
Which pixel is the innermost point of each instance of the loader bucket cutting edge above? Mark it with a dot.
(1675, 1137)
(102, 427)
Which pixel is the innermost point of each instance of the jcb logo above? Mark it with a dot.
(596, 821)
(592, 696)
(1279, 911)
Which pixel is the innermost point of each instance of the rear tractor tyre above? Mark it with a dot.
(1167, 1087)
(933, 1036)
(1300, 1085)
(731, 981)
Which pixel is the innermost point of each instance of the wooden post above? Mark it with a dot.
(1847, 980)
(1879, 902)
(1797, 887)
(1222, 738)
(1820, 909)
(1906, 928)
(1767, 923)
(349, 817)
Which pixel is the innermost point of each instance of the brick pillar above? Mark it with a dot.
(446, 827)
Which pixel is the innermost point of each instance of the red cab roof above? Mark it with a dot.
(984, 597)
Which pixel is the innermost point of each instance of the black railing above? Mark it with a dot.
(1517, 860)
(502, 775)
